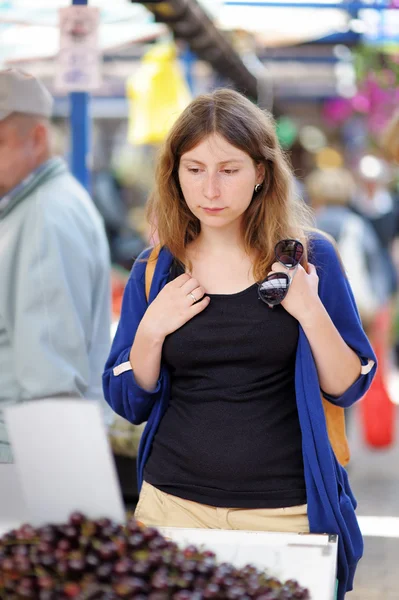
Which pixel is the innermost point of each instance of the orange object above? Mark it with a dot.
(377, 408)
(118, 283)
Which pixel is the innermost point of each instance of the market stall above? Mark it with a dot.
(77, 477)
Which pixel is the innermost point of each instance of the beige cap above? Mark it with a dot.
(23, 93)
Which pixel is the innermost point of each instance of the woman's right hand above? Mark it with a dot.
(174, 306)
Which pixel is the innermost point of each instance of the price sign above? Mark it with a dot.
(79, 58)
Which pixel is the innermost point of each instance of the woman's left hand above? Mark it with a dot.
(303, 295)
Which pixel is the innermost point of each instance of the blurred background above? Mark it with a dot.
(122, 71)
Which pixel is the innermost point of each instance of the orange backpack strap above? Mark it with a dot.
(335, 421)
(150, 269)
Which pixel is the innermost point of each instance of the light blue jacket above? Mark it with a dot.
(331, 505)
(54, 292)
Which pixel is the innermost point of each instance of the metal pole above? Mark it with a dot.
(189, 58)
(80, 131)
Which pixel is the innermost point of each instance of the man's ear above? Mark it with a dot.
(39, 136)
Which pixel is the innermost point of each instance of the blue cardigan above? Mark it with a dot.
(331, 505)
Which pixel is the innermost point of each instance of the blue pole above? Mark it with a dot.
(188, 58)
(80, 131)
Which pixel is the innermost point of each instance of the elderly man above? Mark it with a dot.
(54, 262)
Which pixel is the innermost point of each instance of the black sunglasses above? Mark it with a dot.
(274, 288)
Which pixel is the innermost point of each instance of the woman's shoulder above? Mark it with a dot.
(322, 248)
(156, 256)
(324, 255)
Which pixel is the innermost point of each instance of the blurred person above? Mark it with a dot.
(236, 434)
(331, 191)
(374, 201)
(124, 241)
(390, 145)
(54, 273)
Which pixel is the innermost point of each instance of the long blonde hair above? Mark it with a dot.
(275, 212)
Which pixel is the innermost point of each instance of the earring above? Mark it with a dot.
(258, 187)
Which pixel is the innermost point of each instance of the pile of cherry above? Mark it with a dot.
(101, 560)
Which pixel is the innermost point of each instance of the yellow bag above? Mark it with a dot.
(158, 93)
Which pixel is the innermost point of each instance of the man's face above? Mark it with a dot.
(16, 154)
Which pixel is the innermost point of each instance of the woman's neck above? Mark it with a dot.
(215, 241)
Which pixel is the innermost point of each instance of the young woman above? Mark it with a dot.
(249, 317)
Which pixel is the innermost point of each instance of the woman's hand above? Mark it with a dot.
(302, 295)
(178, 302)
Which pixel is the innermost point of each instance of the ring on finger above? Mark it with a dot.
(193, 297)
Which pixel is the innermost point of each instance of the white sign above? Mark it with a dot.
(79, 58)
(311, 559)
(63, 460)
(12, 506)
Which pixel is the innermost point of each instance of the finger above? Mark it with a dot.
(279, 268)
(311, 269)
(198, 307)
(181, 280)
(189, 286)
(196, 295)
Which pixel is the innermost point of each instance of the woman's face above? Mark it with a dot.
(218, 181)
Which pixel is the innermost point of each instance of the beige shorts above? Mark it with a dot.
(158, 509)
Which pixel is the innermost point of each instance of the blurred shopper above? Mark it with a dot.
(390, 145)
(236, 436)
(331, 192)
(54, 262)
(374, 201)
(125, 243)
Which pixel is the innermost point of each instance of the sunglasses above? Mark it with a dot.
(274, 288)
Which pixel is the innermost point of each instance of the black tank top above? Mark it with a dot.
(231, 436)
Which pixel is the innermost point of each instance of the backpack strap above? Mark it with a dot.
(335, 421)
(150, 269)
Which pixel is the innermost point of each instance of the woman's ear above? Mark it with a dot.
(260, 173)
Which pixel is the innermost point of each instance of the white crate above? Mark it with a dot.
(12, 506)
(309, 558)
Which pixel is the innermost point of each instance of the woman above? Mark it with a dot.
(236, 435)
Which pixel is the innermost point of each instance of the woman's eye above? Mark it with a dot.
(230, 171)
(194, 170)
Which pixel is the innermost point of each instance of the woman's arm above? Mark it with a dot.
(134, 378)
(169, 311)
(323, 303)
(145, 357)
(121, 390)
(338, 366)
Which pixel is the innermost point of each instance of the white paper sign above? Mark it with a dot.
(79, 58)
(13, 510)
(63, 460)
(310, 559)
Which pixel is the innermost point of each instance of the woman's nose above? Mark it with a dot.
(211, 187)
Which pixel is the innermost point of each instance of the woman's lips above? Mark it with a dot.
(212, 211)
